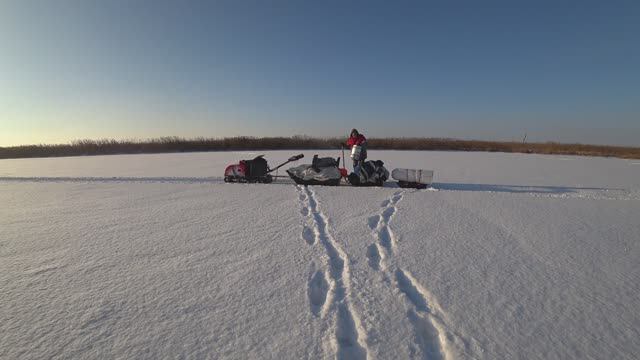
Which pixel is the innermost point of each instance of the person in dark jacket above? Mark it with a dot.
(357, 139)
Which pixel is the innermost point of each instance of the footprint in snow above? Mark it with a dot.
(317, 292)
(373, 256)
(373, 222)
(308, 235)
(385, 239)
(388, 213)
(407, 287)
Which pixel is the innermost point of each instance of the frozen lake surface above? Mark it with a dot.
(509, 256)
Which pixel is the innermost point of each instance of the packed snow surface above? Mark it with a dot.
(508, 256)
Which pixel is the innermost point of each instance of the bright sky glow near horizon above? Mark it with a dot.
(564, 71)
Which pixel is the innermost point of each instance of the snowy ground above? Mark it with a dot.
(511, 256)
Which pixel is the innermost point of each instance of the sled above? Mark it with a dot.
(256, 170)
(322, 171)
(302, 181)
(413, 178)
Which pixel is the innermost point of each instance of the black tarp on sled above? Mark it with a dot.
(372, 173)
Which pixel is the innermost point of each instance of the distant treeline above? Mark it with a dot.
(177, 144)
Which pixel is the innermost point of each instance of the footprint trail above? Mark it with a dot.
(329, 291)
(431, 340)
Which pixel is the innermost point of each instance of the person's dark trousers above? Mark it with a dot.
(357, 165)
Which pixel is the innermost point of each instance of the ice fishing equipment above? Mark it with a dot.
(256, 170)
(356, 152)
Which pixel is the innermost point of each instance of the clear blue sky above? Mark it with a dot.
(557, 70)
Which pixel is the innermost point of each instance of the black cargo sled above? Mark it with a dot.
(322, 171)
(256, 170)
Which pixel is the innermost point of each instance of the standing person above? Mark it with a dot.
(357, 139)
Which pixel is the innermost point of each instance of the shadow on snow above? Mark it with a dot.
(516, 189)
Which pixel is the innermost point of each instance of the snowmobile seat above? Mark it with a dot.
(325, 162)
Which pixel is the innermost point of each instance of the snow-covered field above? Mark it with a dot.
(510, 256)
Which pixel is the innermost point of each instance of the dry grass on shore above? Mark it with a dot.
(177, 144)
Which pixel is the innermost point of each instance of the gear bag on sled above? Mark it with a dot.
(372, 173)
(256, 167)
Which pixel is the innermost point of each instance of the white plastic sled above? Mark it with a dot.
(413, 178)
